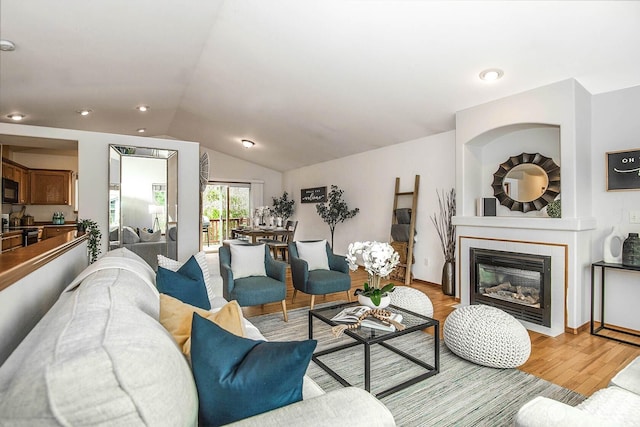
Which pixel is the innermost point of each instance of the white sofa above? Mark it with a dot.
(617, 405)
(100, 356)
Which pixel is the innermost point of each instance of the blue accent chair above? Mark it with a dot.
(254, 290)
(319, 282)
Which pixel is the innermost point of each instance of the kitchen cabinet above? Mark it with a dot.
(56, 230)
(11, 240)
(49, 187)
(19, 174)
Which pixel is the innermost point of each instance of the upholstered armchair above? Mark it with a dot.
(316, 270)
(251, 276)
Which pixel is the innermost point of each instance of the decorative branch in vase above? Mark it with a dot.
(443, 222)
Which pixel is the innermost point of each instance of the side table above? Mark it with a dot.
(603, 326)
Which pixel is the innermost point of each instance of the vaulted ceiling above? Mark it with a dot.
(308, 81)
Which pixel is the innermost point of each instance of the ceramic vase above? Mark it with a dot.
(612, 252)
(631, 251)
(449, 278)
(366, 301)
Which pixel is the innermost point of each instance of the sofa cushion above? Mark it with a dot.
(252, 378)
(314, 253)
(129, 235)
(629, 377)
(186, 284)
(247, 260)
(201, 257)
(153, 236)
(177, 317)
(88, 367)
(615, 405)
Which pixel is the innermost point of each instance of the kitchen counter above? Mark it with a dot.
(16, 264)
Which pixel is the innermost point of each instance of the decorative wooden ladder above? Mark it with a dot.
(412, 226)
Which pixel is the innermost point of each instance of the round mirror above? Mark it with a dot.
(527, 182)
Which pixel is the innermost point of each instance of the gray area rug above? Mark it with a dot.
(462, 394)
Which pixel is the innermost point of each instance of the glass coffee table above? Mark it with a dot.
(367, 337)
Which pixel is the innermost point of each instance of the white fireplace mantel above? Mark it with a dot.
(527, 223)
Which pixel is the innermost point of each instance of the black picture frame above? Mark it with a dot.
(623, 170)
(313, 195)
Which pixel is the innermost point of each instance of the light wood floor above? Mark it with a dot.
(583, 363)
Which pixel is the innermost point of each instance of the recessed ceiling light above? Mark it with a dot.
(247, 144)
(84, 112)
(142, 108)
(7, 46)
(16, 116)
(141, 130)
(491, 74)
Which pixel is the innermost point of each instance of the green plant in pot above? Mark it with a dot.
(379, 261)
(283, 206)
(93, 244)
(554, 209)
(335, 210)
(443, 222)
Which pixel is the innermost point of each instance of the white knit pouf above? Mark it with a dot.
(412, 300)
(487, 336)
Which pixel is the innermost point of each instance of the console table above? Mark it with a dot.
(595, 331)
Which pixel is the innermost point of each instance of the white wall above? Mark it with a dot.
(231, 169)
(615, 127)
(368, 181)
(93, 169)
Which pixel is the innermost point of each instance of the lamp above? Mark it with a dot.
(155, 210)
(247, 144)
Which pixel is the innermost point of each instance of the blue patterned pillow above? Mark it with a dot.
(186, 284)
(248, 377)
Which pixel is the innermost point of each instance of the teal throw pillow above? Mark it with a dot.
(186, 284)
(238, 377)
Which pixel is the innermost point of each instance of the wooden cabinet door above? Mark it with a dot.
(50, 232)
(23, 188)
(50, 187)
(8, 171)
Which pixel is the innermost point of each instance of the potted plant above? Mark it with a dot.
(379, 261)
(283, 207)
(447, 233)
(93, 244)
(335, 210)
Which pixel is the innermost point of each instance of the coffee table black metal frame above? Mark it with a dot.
(368, 337)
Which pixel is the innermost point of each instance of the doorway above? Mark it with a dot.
(226, 206)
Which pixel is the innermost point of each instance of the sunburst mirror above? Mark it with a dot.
(527, 182)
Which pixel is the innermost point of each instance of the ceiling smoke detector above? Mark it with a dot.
(7, 46)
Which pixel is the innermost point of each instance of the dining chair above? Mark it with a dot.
(332, 276)
(281, 245)
(250, 287)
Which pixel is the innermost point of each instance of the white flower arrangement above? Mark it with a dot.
(379, 260)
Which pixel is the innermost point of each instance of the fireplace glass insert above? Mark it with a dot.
(517, 283)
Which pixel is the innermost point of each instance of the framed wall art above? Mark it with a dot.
(623, 170)
(313, 195)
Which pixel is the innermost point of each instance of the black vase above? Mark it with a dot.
(631, 251)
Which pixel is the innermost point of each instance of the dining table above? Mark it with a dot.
(253, 234)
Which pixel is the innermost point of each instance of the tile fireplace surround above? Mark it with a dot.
(555, 121)
(569, 268)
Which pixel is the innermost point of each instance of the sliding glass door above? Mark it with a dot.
(226, 205)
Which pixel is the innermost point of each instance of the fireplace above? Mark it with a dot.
(517, 283)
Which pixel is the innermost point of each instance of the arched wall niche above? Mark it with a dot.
(488, 150)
